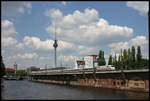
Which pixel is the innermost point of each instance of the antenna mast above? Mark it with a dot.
(55, 45)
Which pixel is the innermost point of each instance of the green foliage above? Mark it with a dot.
(144, 64)
(128, 60)
(118, 66)
(21, 73)
(133, 57)
(114, 63)
(125, 59)
(110, 60)
(139, 57)
(101, 59)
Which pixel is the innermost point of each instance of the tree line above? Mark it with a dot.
(129, 59)
(21, 73)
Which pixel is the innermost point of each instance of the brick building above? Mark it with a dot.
(11, 71)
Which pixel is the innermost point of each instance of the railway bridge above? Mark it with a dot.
(136, 80)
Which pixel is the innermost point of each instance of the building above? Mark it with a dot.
(11, 71)
(32, 68)
(80, 64)
(89, 61)
(15, 67)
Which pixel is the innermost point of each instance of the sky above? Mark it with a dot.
(82, 28)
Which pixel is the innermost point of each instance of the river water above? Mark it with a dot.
(43, 91)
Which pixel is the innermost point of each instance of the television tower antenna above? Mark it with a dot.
(55, 45)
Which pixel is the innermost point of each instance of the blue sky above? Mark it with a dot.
(83, 28)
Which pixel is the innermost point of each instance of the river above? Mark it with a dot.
(23, 89)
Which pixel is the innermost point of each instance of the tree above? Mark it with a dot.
(101, 59)
(121, 58)
(21, 73)
(110, 60)
(133, 58)
(145, 64)
(115, 61)
(119, 63)
(2, 68)
(133, 54)
(139, 56)
(125, 59)
(129, 59)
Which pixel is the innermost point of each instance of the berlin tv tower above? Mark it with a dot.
(55, 45)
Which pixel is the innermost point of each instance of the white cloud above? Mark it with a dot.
(83, 50)
(27, 55)
(8, 42)
(28, 5)
(8, 28)
(64, 3)
(24, 60)
(66, 60)
(138, 40)
(24, 56)
(36, 44)
(64, 47)
(53, 13)
(21, 9)
(10, 8)
(141, 6)
(86, 27)
(11, 44)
